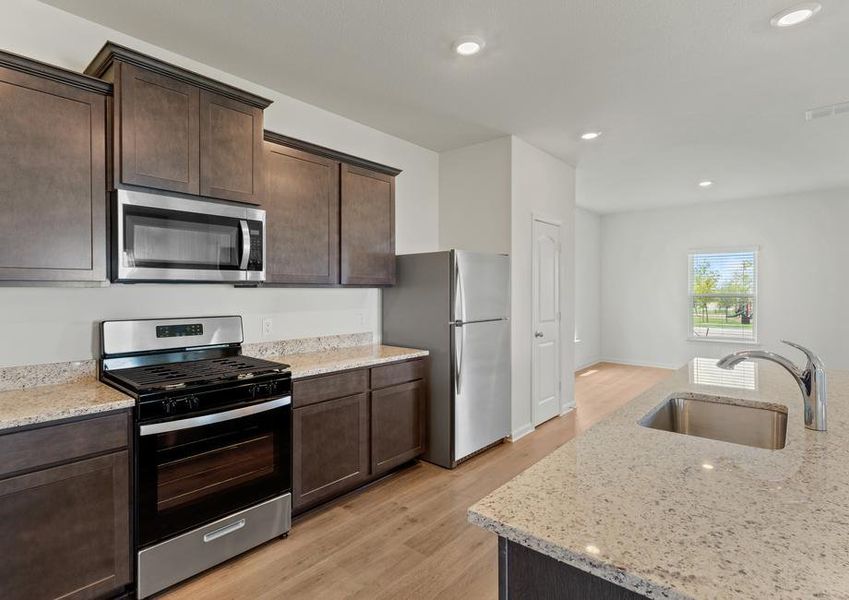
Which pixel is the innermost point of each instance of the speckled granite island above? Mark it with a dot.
(633, 512)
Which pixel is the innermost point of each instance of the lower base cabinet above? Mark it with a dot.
(341, 443)
(66, 528)
(397, 425)
(330, 449)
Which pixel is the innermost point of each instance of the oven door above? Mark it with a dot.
(196, 469)
(168, 238)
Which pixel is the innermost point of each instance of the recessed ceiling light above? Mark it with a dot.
(706, 183)
(468, 45)
(590, 135)
(796, 14)
(707, 466)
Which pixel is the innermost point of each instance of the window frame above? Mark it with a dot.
(755, 251)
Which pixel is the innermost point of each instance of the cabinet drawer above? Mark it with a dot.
(397, 373)
(328, 387)
(61, 443)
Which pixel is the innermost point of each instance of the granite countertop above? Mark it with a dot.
(28, 398)
(44, 403)
(680, 517)
(306, 364)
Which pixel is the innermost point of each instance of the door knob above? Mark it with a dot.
(538, 334)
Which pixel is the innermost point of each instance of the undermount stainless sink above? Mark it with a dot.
(759, 427)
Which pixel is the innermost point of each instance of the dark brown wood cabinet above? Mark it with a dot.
(330, 449)
(330, 216)
(397, 425)
(367, 238)
(230, 149)
(158, 132)
(53, 173)
(178, 131)
(302, 216)
(346, 432)
(66, 531)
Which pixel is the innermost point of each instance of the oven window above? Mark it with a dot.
(204, 473)
(174, 239)
(193, 476)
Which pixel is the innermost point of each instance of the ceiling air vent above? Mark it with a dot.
(834, 110)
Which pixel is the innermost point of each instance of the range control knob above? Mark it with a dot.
(193, 402)
(169, 406)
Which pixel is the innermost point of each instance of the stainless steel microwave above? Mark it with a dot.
(170, 238)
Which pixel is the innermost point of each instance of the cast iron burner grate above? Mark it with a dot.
(181, 374)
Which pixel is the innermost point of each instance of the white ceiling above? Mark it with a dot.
(683, 90)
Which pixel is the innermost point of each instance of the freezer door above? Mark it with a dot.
(480, 286)
(481, 385)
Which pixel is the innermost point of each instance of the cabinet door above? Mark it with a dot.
(302, 217)
(53, 174)
(230, 149)
(368, 227)
(397, 425)
(330, 449)
(66, 530)
(158, 129)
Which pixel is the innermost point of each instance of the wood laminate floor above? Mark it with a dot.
(407, 536)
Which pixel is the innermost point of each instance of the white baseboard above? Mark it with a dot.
(639, 363)
(521, 432)
(589, 363)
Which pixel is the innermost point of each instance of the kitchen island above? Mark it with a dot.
(625, 511)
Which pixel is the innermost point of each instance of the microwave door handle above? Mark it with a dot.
(202, 420)
(246, 245)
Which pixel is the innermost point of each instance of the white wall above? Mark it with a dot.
(489, 194)
(803, 283)
(57, 324)
(474, 197)
(542, 185)
(587, 288)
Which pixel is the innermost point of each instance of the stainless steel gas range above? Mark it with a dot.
(213, 444)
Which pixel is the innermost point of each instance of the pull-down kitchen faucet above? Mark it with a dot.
(811, 380)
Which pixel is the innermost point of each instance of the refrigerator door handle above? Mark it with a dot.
(459, 295)
(458, 355)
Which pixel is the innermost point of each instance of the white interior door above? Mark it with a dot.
(546, 385)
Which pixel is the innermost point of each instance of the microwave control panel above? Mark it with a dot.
(255, 258)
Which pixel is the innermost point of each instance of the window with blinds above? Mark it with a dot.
(723, 295)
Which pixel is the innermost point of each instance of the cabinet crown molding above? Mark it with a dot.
(355, 161)
(112, 52)
(47, 71)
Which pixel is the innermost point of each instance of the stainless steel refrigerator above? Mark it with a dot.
(456, 304)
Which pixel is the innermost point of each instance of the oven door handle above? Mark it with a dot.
(220, 417)
(246, 245)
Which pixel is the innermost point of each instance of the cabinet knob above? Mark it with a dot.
(538, 334)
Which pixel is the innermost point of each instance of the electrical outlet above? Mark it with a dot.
(267, 327)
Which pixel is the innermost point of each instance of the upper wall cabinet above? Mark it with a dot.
(368, 227)
(302, 216)
(330, 216)
(159, 133)
(178, 131)
(52, 173)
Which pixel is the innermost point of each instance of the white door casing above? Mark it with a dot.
(546, 371)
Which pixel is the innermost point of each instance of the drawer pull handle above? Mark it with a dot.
(227, 529)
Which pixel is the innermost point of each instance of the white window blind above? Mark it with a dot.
(723, 295)
(704, 371)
